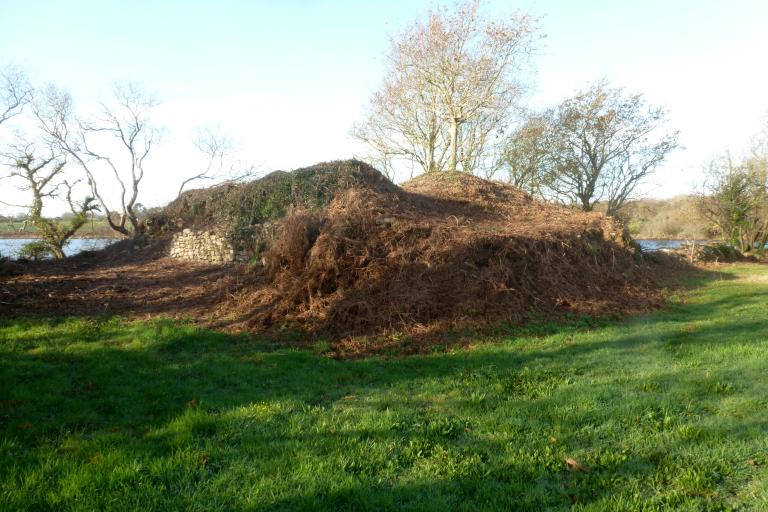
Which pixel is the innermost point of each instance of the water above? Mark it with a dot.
(9, 247)
(656, 244)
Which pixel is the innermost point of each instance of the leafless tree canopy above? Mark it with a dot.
(404, 123)
(524, 156)
(452, 81)
(607, 142)
(596, 146)
(218, 150)
(15, 92)
(759, 149)
(110, 147)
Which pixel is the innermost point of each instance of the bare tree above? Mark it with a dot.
(525, 156)
(453, 69)
(602, 144)
(15, 92)
(480, 143)
(43, 177)
(111, 146)
(403, 123)
(216, 147)
(759, 147)
(383, 161)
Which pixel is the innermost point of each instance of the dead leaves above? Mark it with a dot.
(573, 465)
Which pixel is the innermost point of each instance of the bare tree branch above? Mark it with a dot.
(216, 147)
(15, 92)
(91, 145)
(451, 84)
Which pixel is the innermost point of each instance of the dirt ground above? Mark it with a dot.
(132, 283)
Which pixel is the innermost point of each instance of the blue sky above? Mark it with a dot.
(287, 78)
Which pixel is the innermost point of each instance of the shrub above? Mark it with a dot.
(719, 252)
(35, 251)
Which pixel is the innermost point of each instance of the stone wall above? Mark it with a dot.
(203, 246)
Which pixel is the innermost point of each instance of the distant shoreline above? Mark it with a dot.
(15, 235)
(669, 239)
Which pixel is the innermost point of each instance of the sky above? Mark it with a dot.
(288, 78)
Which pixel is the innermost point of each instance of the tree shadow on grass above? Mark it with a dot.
(196, 408)
(170, 353)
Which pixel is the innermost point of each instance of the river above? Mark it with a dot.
(656, 244)
(9, 247)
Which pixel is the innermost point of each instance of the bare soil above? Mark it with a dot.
(122, 280)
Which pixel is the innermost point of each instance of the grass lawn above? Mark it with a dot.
(667, 411)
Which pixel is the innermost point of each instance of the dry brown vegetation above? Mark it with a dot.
(445, 252)
(381, 266)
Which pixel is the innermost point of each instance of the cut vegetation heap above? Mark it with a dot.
(351, 257)
(353, 254)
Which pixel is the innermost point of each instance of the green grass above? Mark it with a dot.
(667, 411)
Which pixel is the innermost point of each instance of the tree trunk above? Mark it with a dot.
(454, 144)
(57, 252)
(136, 228)
(430, 154)
(586, 204)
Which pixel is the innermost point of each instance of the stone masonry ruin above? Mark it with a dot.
(234, 222)
(203, 246)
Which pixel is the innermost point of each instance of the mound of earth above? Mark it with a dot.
(444, 252)
(361, 262)
(241, 206)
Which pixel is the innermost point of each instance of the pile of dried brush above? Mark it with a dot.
(444, 252)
